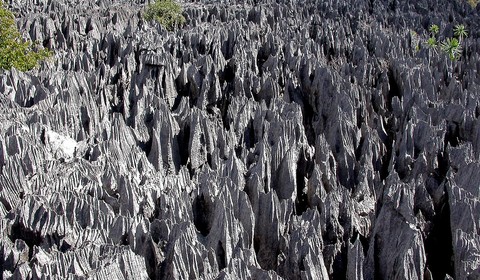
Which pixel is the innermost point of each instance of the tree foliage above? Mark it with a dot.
(167, 12)
(14, 51)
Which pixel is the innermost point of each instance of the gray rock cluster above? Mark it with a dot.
(265, 140)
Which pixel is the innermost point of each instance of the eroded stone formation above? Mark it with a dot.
(265, 139)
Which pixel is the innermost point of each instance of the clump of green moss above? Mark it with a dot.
(14, 51)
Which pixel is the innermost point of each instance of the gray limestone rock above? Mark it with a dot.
(263, 140)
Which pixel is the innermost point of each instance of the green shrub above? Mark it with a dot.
(15, 52)
(167, 12)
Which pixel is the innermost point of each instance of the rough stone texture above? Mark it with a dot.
(265, 140)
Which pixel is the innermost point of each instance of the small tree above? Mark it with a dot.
(14, 51)
(460, 32)
(167, 12)
(451, 46)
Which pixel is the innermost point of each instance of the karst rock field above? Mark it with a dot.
(275, 139)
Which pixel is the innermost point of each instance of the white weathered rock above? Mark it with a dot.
(59, 145)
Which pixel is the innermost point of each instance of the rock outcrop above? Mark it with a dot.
(264, 140)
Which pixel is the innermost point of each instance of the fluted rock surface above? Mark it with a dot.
(264, 140)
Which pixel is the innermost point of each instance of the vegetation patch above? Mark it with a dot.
(451, 46)
(14, 51)
(473, 3)
(167, 12)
